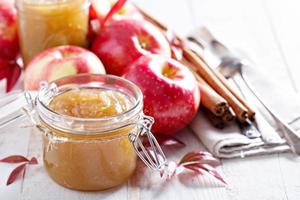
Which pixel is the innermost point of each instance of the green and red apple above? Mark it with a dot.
(58, 62)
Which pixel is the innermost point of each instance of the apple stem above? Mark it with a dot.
(114, 9)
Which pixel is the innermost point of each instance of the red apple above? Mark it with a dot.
(58, 62)
(8, 30)
(122, 42)
(170, 90)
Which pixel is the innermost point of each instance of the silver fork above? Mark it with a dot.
(231, 64)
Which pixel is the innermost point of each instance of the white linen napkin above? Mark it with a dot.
(229, 142)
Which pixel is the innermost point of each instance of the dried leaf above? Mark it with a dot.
(33, 161)
(10, 71)
(211, 171)
(197, 161)
(12, 76)
(14, 159)
(16, 173)
(199, 157)
(114, 9)
(193, 168)
(3, 69)
(18, 170)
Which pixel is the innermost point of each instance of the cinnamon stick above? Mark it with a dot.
(211, 100)
(228, 116)
(209, 76)
(214, 120)
(251, 112)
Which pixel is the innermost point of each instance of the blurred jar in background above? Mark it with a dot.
(44, 24)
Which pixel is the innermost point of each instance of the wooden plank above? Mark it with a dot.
(255, 178)
(289, 166)
(283, 16)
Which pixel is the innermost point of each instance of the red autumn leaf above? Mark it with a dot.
(166, 140)
(3, 63)
(199, 157)
(14, 159)
(3, 68)
(114, 9)
(33, 161)
(16, 173)
(193, 168)
(10, 71)
(12, 76)
(197, 161)
(212, 171)
(19, 169)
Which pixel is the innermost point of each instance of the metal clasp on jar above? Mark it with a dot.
(152, 156)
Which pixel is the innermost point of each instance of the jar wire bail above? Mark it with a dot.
(151, 155)
(30, 110)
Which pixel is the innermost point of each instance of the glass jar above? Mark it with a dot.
(43, 24)
(94, 153)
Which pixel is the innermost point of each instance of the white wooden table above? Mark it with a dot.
(265, 29)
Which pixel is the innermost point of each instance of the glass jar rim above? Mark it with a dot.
(44, 111)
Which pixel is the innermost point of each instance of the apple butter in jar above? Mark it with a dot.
(43, 24)
(93, 129)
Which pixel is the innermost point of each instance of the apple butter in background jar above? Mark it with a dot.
(48, 23)
(92, 129)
